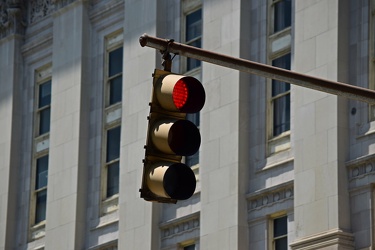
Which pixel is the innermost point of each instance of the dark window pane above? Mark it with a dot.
(115, 90)
(279, 87)
(44, 121)
(113, 179)
(194, 25)
(113, 143)
(283, 15)
(281, 244)
(41, 172)
(194, 63)
(282, 62)
(44, 94)
(41, 205)
(194, 118)
(281, 115)
(192, 159)
(194, 31)
(191, 247)
(280, 226)
(115, 62)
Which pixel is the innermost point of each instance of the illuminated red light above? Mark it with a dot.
(180, 94)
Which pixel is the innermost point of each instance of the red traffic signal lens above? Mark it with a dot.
(180, 94)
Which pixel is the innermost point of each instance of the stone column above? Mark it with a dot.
(11, 71)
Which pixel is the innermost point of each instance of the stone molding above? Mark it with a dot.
(42, 8)
(270, 196)
(13, 13)
(179, 226)
(333, 238)
(360, 167)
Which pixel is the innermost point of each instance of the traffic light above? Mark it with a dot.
(170, 136)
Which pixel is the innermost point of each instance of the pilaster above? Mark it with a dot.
(322, 213)
(67, 184)
(10, 133)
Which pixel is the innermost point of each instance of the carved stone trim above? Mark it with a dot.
(12, 17)
(179, 226)
(40, 9)
(270, 196)
(361, 167)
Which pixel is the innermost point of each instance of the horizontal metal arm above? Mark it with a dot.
(268, 71)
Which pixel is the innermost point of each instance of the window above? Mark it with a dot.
(114, 61)
(39, 170)
(112, 160)
(41, 188)
(115, 75)
(278, 93)
(282, 14)
(191, 31)
(280, 233)
(281, 99)
(190, 247)
(111, 133)
(193, 36)
(44, 109)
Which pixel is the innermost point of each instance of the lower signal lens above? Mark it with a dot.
(180, 94)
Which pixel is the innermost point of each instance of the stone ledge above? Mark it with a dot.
(333, 238)
(269, 196)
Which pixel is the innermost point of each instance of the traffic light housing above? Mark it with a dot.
(170, 136)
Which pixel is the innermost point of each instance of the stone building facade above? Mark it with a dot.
(279, 167)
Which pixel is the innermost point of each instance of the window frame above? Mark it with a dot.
(281, 142)
(188, 7)
(107, 164)
(39, 110)
(113, 42)
(37, 191)
(188, 243)
(112, 114)
(42, 75)
(272, 101)
(271, 18)
(271, 233)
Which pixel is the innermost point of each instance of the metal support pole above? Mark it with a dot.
(332, 87)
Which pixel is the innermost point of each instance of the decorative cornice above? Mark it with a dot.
(12, 17)
(361, 167)
(179, 226)
(42, 8)
(270, 196)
